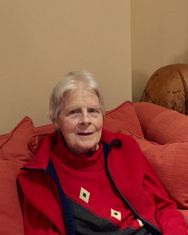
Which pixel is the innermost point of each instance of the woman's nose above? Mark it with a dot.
(85, 117)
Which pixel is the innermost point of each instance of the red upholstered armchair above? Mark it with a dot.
(161, 133)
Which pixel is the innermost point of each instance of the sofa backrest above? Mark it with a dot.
(160, 124)
(20, 145)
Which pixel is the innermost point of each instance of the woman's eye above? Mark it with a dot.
(93, 110)
(75, 111)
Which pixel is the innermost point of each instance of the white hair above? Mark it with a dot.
(71, 81)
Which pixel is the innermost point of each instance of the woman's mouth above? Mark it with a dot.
(85, 133)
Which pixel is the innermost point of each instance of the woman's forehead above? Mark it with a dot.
(80, 97)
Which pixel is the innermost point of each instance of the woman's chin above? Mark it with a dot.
(88, 148)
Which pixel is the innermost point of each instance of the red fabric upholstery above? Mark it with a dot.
(168, 127)
(170, 162)
(123, 117)
(168, 154)
(146, 112)
(14, 152)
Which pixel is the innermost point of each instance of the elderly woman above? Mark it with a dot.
(85, 180)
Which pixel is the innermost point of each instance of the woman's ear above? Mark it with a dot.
(56, 123)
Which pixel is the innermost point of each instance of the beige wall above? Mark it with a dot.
(41, 40)
(159, 37)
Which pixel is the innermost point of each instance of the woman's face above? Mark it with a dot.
(81, 120)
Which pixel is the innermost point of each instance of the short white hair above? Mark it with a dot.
(71, 81)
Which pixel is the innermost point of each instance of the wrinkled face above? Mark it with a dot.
(81, 120)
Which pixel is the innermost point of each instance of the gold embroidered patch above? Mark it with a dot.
(84, 195)
(140, 223)
(116, 214)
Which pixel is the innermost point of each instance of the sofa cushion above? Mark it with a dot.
(168, 127)
(41, 132)
(15, 150)
(170, 162)
(123, 118)
(146, 112)
(18, 144)
(11, 221)
(3, 138)
(185, 214)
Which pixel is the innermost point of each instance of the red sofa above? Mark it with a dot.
(161, 133)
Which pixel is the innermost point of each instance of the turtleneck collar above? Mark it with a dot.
(88, 162)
